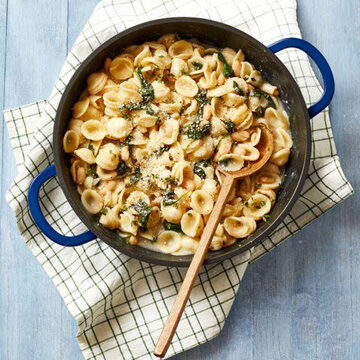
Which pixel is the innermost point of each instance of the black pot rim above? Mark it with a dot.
(182, 261)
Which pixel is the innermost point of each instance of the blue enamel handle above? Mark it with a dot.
(322, 64)
(43, 225)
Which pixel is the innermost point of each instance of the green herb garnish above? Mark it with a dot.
(170, 180)
(259, 93)
(104, 211)
(225, 162)
(172, 227)
(147, 90)
(266, 217)
(260, 205)
(230, 126)
(237, 88)
(197, 132)
(135, 176)
(91, 172)
(128, 140)
(91, 147)
(122, 168)
(169, 198)
(199, 168)
(202, 98)
(227, 71)
(126, 108)
(144, 210)
(197, 65)
(162, 149)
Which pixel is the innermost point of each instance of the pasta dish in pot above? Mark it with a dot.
(149, 130)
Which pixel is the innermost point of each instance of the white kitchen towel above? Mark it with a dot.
(119, 303)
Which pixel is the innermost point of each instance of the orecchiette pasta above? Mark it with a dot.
(150, 131)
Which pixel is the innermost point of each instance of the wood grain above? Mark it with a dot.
(182, 297)
(302, 301)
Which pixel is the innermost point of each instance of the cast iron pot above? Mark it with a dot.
(220, 35)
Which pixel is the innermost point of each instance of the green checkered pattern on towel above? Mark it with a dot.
(119, 303)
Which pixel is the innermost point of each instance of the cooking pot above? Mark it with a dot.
(219, 35)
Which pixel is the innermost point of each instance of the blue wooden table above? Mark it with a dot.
(302, 301)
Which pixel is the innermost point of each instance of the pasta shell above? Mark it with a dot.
(109, 220)
(178, 67)
(118, 127)
(186, 86)
(181, 49)
(70, 141)
(247, 152)
(147, 121)
(192, 223)
(85, 155)
(169, 131)
(202, 202)
(92, 201)
(96, 82)
(204, 150)
(108, 157)
(80, 107)
(257, 206)
(189, 244)
(240, 227)
(231, 162)
(93, 130)
(135, 197)
(121, 68)
(128, 223)
(169, 242)
(105, 174)
(171, 213)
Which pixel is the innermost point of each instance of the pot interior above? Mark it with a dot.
(218, 35)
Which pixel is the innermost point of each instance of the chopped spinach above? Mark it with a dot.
(144, 211)
(197, 132)
(237, 88)
(230, 126)
(162, 149)
(197, 65)
(168, 198)
(122, 168)
(91, 172)
(135, 176)
(147, 90)
(194, 130)
(199, 168)
(127, 140)
(170, 180)
(172, 227)
(225, 162)
(202, 98)
(227, 71)
(104, 211)
(126, 108)
(259, 93)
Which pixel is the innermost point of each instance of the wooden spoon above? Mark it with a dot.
(265, 147)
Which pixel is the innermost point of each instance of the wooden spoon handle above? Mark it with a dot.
(194, 268)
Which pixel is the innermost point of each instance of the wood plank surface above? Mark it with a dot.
(302, 301)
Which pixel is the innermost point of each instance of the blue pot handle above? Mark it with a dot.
(43, 225)
(322, 64)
